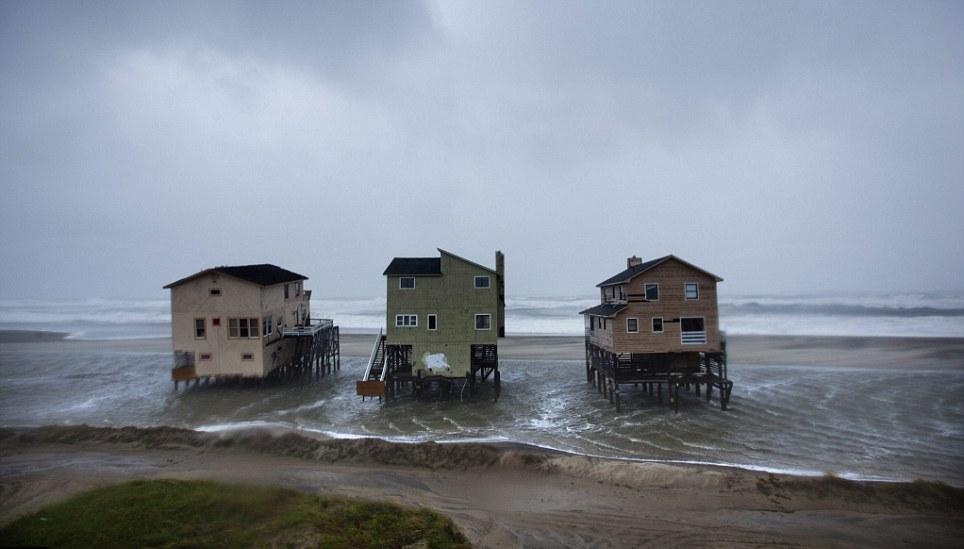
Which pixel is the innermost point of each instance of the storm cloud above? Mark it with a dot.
(789, 147)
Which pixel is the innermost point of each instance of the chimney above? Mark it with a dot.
(633, 261)
(499, 263)
(500, 271)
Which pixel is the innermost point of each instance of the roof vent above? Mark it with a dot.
(633, 261)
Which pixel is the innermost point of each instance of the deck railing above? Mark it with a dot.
(692, 338)
(316, 325)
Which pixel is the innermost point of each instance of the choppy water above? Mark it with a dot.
(899, 315)
(881, 424)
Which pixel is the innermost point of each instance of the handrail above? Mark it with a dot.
(384, 367)
(371, 359)
(309, 329)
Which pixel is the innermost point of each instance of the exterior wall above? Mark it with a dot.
(672, 305)
(601, 337)
(238, 299)
(454, 298)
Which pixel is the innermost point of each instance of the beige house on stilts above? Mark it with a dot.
(657, 324)
(249, 321)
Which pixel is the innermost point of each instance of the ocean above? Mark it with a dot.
(891, 315)
(871, 422)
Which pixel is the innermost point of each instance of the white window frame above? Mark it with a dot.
(428, 322)
(402, 319)
(267, 325)
(645, 296)
(204, 328)
(628, 331)
(488, 282)
(662, 325)
(686, 297)
(252, 334)
(477, 315)
(681, 332)
(401, 278)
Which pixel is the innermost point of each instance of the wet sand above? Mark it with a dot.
(498, 496)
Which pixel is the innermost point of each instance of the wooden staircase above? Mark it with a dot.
(372, 383)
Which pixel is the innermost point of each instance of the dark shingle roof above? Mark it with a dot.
(608, 310)
(263, 274)
(429, 266)
(626, 275)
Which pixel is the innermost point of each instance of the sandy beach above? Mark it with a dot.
(499, 496)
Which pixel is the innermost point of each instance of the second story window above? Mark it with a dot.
(482, 282)
(483, 322)
(243, 328)
(658, 325)
(691, 290)
(406, 321)
(652, 292)
(286, 291)
(200, 330)
(632, 325)
(433, 322)
(267, 324)
(406, 283)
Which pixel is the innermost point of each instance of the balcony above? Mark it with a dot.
(316, 325)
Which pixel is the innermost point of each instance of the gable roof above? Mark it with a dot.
(263, 274)
(415, 266)
(473, 263)
(425, 266)
(628, 274)
(608, 310)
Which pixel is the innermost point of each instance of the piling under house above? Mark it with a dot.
(444, 316)
(247, 322)
(657, 327)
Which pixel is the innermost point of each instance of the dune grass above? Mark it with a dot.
(171, 513)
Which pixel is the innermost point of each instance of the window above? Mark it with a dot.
(243, 327)
(592, 323)
(215, 291)
(406, 321)
(632, 325)
(482, 282)
(268, 325)
(692, 330)
(247, 356)
(658, 325)
(298, 289)
(652, 292)
(433, 322)
(205, 356)
(215, 321)
(286, 291)
(483, 322)
(691, 290)
(406, 283)
(200, 332)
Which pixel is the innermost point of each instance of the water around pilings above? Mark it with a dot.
(879, 424)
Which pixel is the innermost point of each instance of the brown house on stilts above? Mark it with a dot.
(657, 324)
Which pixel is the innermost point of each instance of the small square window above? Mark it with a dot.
(632, 325)
(215, 321)
(652, 292)
(658, 325)
(691, 290)
(482, 282)
(483, 322)
(205, 356)
(215, 291)
(247, 356)
(406, 283)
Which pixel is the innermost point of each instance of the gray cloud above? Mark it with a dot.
(789, 147)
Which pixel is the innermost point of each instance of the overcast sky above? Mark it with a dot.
(788, 147)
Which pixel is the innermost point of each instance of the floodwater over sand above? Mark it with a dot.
(895, 415)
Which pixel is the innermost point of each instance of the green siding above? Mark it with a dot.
(454, 298)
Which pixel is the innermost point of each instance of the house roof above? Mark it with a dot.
(608, 310)
(415, 266)
(425, 266)
(628, 274)
(263, 274)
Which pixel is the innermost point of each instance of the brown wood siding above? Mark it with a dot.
(672, 305)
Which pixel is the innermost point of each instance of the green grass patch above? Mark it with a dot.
(172, 513)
